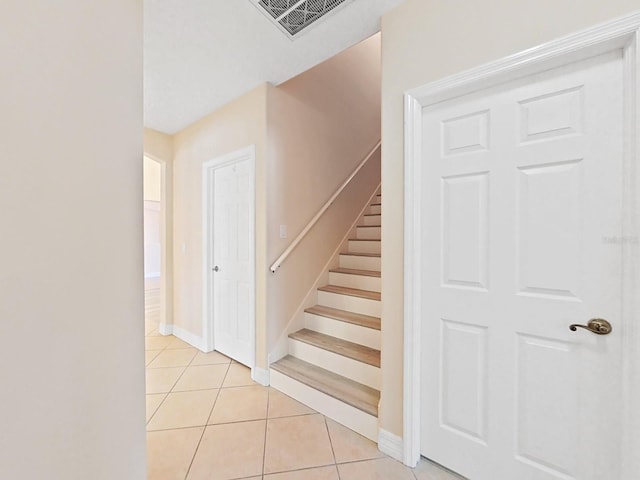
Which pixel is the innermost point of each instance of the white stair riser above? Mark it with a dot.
(365, 306)
(351, 417)
(361, 263)
(347, 367)
(350, 332)
(361, 282)
(374, 209)
(369, 232)
(364, 246)
(372, 220)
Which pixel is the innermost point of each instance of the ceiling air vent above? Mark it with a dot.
(293, 16)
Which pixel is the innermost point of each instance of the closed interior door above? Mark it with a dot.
(232, 261)
(522, 197)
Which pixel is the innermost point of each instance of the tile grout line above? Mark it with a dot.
(333, 452)
(204, 429)
(266, 425)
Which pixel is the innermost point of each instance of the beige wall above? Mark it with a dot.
(321, 125)
(426, 40)
(71, 298)
(239, 124)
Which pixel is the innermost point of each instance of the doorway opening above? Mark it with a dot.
(154, 245)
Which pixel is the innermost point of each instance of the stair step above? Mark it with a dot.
(369, 232)
(352, 292)
(360, 245)
(366, 321)
(347, 349)
(341, 388)
(363, 279)
(356, 271)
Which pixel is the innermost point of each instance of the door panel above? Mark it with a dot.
(521, 184)
(233, 254)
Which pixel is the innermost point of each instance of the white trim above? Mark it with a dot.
(165, 329)
(184, 335)
(261, 376)
(247, 153)
(390, 444)
(152, 275)
(619, 34)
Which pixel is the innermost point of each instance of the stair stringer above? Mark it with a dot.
(297, 321)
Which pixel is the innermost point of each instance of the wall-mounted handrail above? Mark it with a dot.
(325, 207)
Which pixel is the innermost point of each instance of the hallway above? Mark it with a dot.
(206, 419)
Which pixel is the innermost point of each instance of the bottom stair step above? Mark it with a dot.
(341, 388)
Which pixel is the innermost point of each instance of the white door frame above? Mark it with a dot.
(248, 153)
(622, 35)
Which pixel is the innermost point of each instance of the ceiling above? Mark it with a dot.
(201, 54)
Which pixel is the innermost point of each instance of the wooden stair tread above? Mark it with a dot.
(372, 214)
(356, 254)
(365, 240)
(345, 316)
(339, 346)
(369, 226)
(341, 388)
(355, 271)
(353, 292)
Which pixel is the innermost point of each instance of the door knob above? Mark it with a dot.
(216, 268)
(599, 326)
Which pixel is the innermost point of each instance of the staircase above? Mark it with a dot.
(333, 364)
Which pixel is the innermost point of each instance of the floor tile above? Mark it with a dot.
(348, 446)
(210, 358)
(426, 470)
(281, 405)
(201, 377)
(231, 450)
(175, 342)
(149, 355)
(238, 376)
(173, 358)
(380, 469)
(240, 404)
(169, 453)
(160, 380)
(156, 343)
(153, 402)
(297, 442)
(184, 409)
(322, 473)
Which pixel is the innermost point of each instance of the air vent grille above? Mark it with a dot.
(293, 16)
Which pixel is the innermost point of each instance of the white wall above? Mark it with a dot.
(423, 41)
(71, 287)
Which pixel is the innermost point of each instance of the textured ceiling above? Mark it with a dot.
(201, 54)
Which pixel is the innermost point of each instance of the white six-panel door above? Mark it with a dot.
(521, 194)
(232, 260)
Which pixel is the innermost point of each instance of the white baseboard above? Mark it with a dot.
(165, 329)
(260, 375)
(184, 335)
(390, 444)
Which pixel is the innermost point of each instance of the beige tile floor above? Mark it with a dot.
(207, 420)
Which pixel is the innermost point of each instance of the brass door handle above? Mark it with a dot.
(599, 326)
